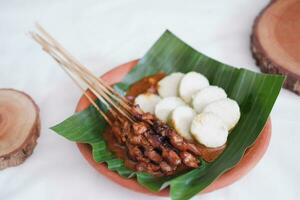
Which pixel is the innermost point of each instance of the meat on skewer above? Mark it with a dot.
(152, 145)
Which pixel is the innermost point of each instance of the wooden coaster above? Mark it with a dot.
(19, 127)
(275, 41)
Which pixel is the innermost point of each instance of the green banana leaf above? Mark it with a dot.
(255, 92)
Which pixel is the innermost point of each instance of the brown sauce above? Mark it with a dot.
(149, 84)
(119, 150)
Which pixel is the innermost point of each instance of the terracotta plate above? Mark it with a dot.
(250, 159)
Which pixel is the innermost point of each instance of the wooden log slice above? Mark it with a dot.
(275, 41)
(19, 127)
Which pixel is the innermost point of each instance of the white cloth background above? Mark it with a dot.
(104, 34)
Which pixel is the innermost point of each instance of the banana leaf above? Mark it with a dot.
(255, 92)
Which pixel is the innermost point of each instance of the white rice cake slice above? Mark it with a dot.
(166, 106)
(210, 130)
(147, 102)
(181, 120)
(191, 83)
(207, 96)
(168, 86)
(227, 109)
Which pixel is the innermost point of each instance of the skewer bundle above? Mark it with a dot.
(152, 144)
(117, 104)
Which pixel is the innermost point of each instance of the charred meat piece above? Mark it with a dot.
(118, 134)
(148, 117)
(136, 139)
(139, 128)
(153, 146)
(153, 155)
(154, 140)
(136, 154)
(176, 140)
(171, 157)
(147, 167)
(189, 160)
(166, 168)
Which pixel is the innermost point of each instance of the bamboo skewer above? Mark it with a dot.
(76, 62)
(79, 67)
(78, 73)
(88, 97)
(64, 64)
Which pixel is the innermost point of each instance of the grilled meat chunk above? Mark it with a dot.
(153, 145)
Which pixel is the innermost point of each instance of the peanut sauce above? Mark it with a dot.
(149, 84)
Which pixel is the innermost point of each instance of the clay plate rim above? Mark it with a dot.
(250, 159)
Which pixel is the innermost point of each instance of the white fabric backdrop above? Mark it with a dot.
(103, 34)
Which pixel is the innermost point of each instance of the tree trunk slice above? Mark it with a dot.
(275, 41)
(19, 127)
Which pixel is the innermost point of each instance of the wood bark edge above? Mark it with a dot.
(19, 155)
(266, 64)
